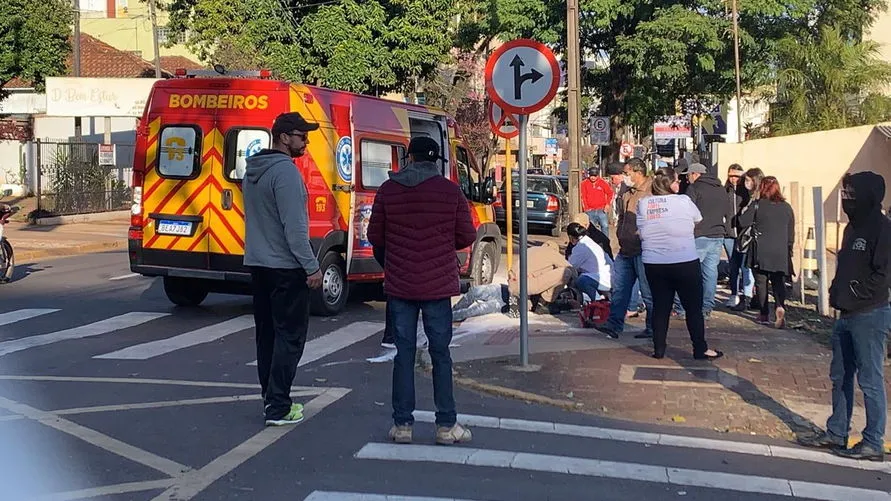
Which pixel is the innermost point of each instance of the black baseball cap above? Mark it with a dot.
(289, 122)
(423, 148)
(593, 171)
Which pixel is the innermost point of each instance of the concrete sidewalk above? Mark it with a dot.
(33, 243)
(770, 382)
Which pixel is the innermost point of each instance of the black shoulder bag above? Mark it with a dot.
(748, 237)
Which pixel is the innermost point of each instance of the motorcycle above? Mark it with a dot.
(7, 258)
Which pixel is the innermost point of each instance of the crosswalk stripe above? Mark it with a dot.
(19, 315)
(112, 324)
(547, 427)
(358, 496)
(337, 340)
(203, 335)
(611, 469)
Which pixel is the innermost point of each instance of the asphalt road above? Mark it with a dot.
(108, 392)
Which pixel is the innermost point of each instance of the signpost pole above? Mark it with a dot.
(508, 204)
(524, 235)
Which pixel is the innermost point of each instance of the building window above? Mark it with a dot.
(165, 34)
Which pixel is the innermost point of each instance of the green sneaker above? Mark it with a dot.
(293, 417)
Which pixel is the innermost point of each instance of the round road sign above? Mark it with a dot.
(522, 76)
(626, 150)
(503, 124)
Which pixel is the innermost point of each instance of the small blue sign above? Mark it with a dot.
(551, 145)
(344, 154)
(253, 148)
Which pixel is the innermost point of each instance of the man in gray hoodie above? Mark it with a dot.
(283, 265)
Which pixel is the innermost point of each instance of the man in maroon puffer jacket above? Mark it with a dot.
(422, 218)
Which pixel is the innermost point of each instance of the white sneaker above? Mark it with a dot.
(390, 346)
(732, 301)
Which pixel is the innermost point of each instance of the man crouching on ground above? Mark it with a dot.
(422, 218)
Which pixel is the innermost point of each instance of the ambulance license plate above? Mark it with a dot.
(182, 228)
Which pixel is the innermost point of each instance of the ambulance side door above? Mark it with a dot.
(376, 156)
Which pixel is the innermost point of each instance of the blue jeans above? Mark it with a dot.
(737, 261)
(634, 303)
(627, 270)
(599, 219)
(709, 250)
(438, 326)
(589, 286)
(480, 300)
(858, 347)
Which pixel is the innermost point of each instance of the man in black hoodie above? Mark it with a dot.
(709, 196)
(860, 293)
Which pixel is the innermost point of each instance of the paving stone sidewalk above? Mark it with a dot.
(770, 382)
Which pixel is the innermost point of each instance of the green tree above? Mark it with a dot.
(34, 40)
(828, 81)
(369, 46)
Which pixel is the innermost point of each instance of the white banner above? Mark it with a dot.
(97, 97)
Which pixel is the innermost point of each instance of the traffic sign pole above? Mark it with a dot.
(524, 237)
(522, 77)
(509, 204)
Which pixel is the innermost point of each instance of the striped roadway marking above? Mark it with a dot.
(356, 496)
(19, 315)
(94, 329)
(337, 340)
(659, 439)
(203, 335)
(611, 469)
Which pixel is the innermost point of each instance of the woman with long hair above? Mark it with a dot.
(666, 221)
(770, 252)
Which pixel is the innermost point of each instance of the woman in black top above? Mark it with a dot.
(770, 254)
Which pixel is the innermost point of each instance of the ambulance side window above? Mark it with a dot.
(378, 159)
(241, 144)
(468, 177)
(179, 151)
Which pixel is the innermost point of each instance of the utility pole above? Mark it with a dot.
(740, 133)
(76, 59)
(574, 115)
(155, 38)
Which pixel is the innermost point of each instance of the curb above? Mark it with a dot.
(83, 218)
(36, 255)
(502, 391)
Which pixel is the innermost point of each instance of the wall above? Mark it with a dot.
(131, 30)
(815, 159)
(880, 32)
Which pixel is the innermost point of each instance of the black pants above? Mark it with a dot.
(777, 283)
(685, 280)
(281, 315)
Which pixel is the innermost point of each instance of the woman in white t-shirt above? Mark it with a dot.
(666, 221)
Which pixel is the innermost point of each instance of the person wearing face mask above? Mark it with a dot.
(751, 184)
(628, 265)
(860, 292)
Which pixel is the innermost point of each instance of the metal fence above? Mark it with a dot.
(71, 181)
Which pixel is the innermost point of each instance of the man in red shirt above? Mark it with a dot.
(420, 219)
(596, 197)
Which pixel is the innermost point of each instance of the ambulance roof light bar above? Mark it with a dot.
(220, 71)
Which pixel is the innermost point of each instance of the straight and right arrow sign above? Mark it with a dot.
(522, 76)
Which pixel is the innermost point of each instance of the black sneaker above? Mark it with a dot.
(821, 439)
(862, 451)
(609, 332)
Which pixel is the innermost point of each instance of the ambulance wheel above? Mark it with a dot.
(184, 292)
(484, 263)
(331, 298)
